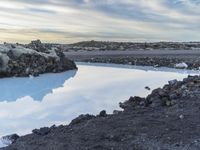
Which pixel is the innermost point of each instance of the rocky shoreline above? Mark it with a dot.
(17, 60)
(158, 54)
(168, 118)
(149, 61)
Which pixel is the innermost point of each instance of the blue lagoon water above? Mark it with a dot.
(57, 98)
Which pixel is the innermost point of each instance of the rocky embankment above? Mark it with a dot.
(167, 119)
(34, 59)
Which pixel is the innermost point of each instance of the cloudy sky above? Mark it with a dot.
(68, 21)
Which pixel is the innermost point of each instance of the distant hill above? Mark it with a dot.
(104, 45)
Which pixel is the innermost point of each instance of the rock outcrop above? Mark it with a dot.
(17, 60)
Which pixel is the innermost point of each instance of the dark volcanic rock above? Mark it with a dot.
(147, 88)
(133, 102)
(81, 118)
(102, 113)
(167, 119)
(16, 60)
(38, 46)
(42, 131)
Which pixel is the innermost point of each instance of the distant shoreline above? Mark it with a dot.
(157, 58)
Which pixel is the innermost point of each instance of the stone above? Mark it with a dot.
(172, 82)
(162, 93)
(103, 113)
(42, 131)
(117, 112)
(147, 88)
(81, 118)
(133, 102)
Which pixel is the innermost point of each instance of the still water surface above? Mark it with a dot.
(28, 103)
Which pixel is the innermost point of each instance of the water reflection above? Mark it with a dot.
(57, 98)
(35, 87)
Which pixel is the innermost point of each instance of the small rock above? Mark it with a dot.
(117, 112)
(147, 88)
(53, 127)
(172, 82)
(133, 102)
(81, 118)
(42, 131)
(102, 113)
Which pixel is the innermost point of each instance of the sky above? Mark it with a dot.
(68, 21)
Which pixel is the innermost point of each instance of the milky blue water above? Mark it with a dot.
(33, 102)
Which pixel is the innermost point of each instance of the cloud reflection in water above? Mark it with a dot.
(35, 87)
(57, 98)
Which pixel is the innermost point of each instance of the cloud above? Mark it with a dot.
(74, 20)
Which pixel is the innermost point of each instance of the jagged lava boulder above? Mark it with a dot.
(17, 60)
